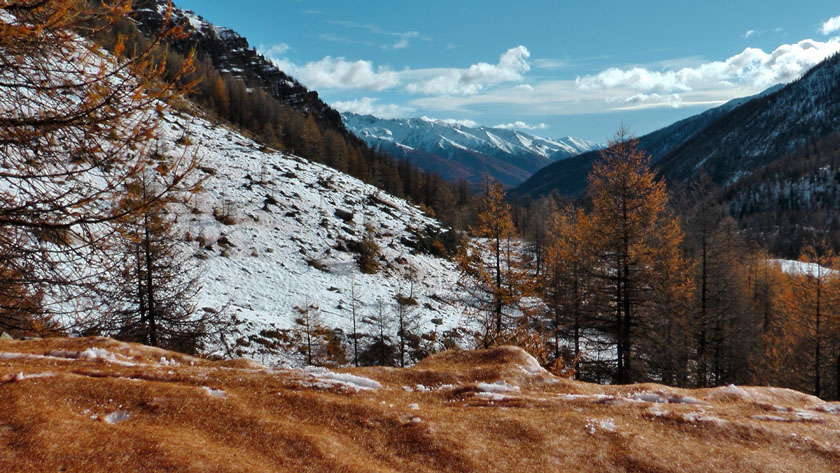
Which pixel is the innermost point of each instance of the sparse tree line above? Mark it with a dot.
(634, 286)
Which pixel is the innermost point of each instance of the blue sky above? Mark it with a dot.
(555, 68)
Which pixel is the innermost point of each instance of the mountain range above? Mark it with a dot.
(456, 150)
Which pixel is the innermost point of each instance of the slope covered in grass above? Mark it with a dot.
(100, 405)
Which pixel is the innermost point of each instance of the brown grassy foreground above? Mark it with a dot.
(125, 407)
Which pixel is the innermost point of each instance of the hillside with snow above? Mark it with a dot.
(459, 150)
(274, 232)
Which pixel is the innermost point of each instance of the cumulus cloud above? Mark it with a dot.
(520, 125)
(749, 33)
(831, 25)
(512, 64)
(369, 106)
(752, 68)
(274, 51)
(338, 73)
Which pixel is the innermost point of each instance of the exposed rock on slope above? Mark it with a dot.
(99, 405)
(275, 232)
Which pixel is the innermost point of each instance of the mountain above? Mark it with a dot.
(229, 53)
(271, 235)
(98, 405)
(762, 130)
(568, 177)
(457, 151)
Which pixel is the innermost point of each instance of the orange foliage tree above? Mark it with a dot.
(497, 283)
(76, 126)
(634, 243)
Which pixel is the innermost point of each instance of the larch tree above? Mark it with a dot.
(563, 284)
(496, 280)
(714, 244)
(157, 275)
(628, 230)
(813, 307)
(76, 127)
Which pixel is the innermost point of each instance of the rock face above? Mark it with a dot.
(96, 405)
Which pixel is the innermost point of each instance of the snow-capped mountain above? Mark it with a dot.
(457, 150)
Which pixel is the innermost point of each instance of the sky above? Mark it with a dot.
(553, 68)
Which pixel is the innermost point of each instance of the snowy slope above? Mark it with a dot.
(287, 211)
(271, 232)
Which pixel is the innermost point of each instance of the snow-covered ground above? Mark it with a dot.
(271, 231)
(794, 267)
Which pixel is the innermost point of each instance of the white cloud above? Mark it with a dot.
(550, 64)
(751, 68)
(338, 73)
(452, 121)
(274, 51)
(652, 101)
(512, 64)
(831, 25)
(520, 125)
(403, 42)
(369, 106)
(749, 33)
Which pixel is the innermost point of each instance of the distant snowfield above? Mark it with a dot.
(794, 267)
(285, 220)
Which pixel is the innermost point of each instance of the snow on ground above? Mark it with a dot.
(326, 378)
(802, 268)
(271, 232)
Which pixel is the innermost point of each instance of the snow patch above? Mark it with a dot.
(347, 380)
(116, 417)
(214, 392)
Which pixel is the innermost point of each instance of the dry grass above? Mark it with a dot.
(235, 416)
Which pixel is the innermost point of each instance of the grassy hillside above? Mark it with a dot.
(100, 405)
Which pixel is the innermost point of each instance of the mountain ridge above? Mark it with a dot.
(459, 150)
(569, 176)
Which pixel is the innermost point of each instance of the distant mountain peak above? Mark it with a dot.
(462, 148)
